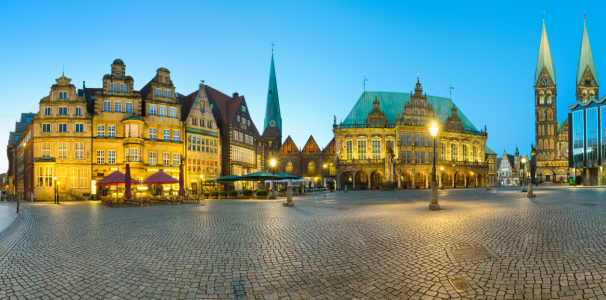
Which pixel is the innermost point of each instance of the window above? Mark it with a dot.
(62, 150)
(235, 135)
(107, 106)
(123, 88)
(176, 136)
(166, 159)
(474, 154)
(194, 121)
(79, 153)
(62, 127)
(73, 176)
(311, 169)
(288, 165)
(453, 151)
(442, 151)
(78, 111)
(175, 159)
(238, 118)
(166, 94)
(62, 95)
(100, 157)
(134, 154)
(577, 128)
(134, 130)
(118, 107)
(44, 176)
(47, 111)
(163, 111)
(152, 158)
(348, 149)
(158, 92)
(126, 155)
(46, 150)
(111, 131)
(173, 112)
(111, 157)
(243, 108)
(248, 122)
(332, 169)
(202, 106)
(166, 135)
(240, 137)
(63, 111)
(83, 178)
(592, 134)
(113, 88)
(209, 124)
(361, 149)
(100, 131)
(465, 152)
(17, 138)
(129, 107)
(152, 134)
(243, 121)
(45, 127)
(153, 110)
(376, 149)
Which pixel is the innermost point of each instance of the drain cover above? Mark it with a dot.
(460, 285)
(470, 254)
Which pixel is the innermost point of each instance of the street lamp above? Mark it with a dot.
(56, 190)
(201, 180)
(433, 205)
(442, 177)
(324, 174)
(273, 184)
(523, 176)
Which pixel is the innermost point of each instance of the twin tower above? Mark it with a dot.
(551, 135)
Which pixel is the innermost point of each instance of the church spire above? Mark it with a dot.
(585, 58)
(272, 110)
(544, 58)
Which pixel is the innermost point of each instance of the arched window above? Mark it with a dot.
(415, 112)
(551, 144)
(540, 146)
(332, 169)
(270, 142)
(549, 97)
(541, 115)
(591, 93)
(289, 168)
(549, 115)
(311, 169)
(541, 98)
(585, 95)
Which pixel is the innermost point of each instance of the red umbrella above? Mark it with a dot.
(127, 193)
(115, 178)
(159, 178)
(181, 190)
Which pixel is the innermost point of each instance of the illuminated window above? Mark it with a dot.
(289, 168)
(332, 169)
(311, 169)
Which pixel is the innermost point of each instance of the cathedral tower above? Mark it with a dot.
(587, 78)
(545, 103)
(272, 129)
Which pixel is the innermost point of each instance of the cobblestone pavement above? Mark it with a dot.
(358, 245)
(8, 213)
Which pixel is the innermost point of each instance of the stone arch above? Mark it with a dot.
(362, 180)
(406, 179)
(419, 180)
(459, 179)
(548, 175)
(376, 180)
(471, 179)
(346, 179)
(447, 179)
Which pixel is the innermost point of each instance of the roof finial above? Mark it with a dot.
(272, 46)
(543, 17)
(584, 16)
(364, 82)
(417, 77)
(63, 71)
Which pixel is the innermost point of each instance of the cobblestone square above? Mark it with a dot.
(355, 245)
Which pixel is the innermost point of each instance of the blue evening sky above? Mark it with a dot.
(486, 50)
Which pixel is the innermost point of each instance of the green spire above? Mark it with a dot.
(585, 58)
(272, 111)
(544, 58)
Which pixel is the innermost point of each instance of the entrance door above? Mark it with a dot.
(548, 178)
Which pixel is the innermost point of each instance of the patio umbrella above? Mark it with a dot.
(227, 178)
(181, 190)
(115, 178)
(287, 176)
(259, 176)
(127, 192)
(160, 178)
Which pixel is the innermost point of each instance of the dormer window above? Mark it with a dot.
(122, 87)
(62, 95)
(166, 94)
(113, 88)
(158, 92)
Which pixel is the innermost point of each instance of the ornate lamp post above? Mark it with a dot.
(442, 177)
(523, 175)
(433, 205)
(273, 183)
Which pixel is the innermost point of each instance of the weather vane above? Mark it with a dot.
(543, 16)
(364, 82)
(450, 88)
(272, 46)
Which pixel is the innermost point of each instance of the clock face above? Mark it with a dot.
(272, 123)
(544, 81)
(565, 150)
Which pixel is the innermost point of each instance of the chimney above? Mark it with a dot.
(235, 95)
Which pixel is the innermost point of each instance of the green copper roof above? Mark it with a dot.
(585, 58)
(544, 58)
(391, 104)
(489, 151)
(272, 110)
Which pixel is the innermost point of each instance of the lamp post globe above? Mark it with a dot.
(433, 204)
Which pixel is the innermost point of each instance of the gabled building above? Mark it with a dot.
(203, 152)
(491, 159)
(242, 148)
(311, 162)
(14, 136)
(508, 169)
